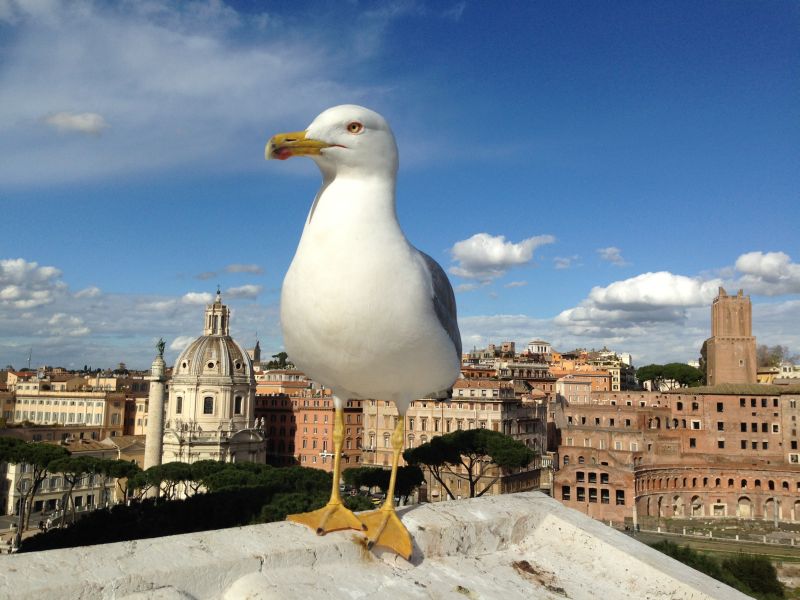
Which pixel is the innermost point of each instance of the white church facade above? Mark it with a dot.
(209, 413)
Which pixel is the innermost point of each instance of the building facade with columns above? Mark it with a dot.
(210, 410)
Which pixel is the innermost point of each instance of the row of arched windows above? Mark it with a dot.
(663, 483)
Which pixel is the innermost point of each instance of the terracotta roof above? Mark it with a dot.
(124, 442)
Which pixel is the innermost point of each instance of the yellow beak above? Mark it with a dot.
(286, 145)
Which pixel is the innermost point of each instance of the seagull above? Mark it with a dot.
(362, 310)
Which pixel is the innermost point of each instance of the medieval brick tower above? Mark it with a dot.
(731, 349)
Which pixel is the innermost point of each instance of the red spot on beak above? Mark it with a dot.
(282, 153)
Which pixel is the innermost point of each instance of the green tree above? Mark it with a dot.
(751, 575)
(704, 361)
(478, 456)
(201, 470)
(685, 375)
(140, 483)
(757, 573)
(281, 361)
(408, 479)
(33, 458)
(169, 476)
(123, 471)
(671, 375)
(773, 356)
(73, 469)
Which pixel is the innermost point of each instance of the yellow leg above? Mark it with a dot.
(383, 526)
(334, 516)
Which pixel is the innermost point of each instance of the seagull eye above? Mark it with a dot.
(355, 127)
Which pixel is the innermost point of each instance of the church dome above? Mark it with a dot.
(215, 354)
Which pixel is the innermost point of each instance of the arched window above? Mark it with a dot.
(208, 405)
(566, 460)
(581, 460)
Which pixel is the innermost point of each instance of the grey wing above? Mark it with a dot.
(444, 301)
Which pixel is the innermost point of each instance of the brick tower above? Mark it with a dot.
(731, 349)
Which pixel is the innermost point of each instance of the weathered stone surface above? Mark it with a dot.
(514, 546)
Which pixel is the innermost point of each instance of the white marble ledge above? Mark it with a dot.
(514, 546)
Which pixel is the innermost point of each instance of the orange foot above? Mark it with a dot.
(385, 529)
(334, 516)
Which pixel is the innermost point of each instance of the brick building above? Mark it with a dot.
(723, 451)
(314, 435)
(730, 352)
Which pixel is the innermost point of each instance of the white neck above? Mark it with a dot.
(351, 205)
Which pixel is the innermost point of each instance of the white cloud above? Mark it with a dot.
(768, 273)
(488, 257)
(197, 298)
(85, 123)
(239, 268)
(158, 306)
(179, 343)
(61, 324)
(25, 285)
(648, 290)
(244, 291)
(182, 83)
(516, 284)
(645, 299)
(613, 255)
(564, 262)
(90, 292)
(73, 329)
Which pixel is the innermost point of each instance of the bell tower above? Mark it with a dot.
(217, 317)
(731, 349)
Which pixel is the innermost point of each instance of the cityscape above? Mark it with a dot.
(520, 318)
(658, 453)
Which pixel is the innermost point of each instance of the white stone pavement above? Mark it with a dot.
(514, 546)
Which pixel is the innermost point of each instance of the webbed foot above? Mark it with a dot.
(384, 528)
(334, 516)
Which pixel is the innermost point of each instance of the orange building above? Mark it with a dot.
(314, 435)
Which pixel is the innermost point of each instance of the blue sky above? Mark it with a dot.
(588, 173)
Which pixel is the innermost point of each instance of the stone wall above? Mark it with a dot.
(514, 546)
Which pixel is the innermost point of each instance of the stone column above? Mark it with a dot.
(154, 439)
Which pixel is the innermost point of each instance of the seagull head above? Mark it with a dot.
(342, 139)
